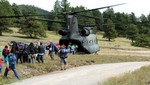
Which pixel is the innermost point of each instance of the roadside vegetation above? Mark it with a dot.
(139, 77)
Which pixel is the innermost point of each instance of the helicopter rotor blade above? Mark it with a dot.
(13, 16)
(88, 16)
(93, 9)
(93, 25)
(48, 20)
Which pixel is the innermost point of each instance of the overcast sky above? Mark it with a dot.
(137, 6)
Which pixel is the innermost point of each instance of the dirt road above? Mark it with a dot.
(85, 75)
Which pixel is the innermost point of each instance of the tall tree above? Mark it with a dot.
(5, 10)
(143, 18)
(17, 12)
(57, 7)
(65, 5)
(132, 18)
(148, 17)
(81, 20)
(109, 14)
(33, 29)
(132, 32)
(121, 23)
(144, 21)
(99, 22)
(109, 30)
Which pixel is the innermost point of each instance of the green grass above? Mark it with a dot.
(139, 77)
(108, 54)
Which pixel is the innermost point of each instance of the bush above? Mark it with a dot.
(142, 40)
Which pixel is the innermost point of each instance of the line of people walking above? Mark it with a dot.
(33, 53)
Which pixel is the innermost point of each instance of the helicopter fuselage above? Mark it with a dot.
(85, 40)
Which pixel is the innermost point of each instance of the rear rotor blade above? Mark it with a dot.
(88, 16)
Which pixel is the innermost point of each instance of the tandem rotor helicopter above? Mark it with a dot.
(85, 39)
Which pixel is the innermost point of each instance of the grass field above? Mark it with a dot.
(111, 52)
(139, 77)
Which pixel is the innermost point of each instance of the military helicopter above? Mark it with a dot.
(86, 40)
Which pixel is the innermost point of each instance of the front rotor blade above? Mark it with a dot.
(48, 20)
(13, 16)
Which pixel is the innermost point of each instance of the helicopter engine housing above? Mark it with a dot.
(86, 31)
(63, 32)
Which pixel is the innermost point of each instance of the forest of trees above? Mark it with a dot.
(137, 29)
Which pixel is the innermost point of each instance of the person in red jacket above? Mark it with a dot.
(5, 51)
(1, 64)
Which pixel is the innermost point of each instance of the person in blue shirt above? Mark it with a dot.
(11, 64)
(63, 57)
(52, 50)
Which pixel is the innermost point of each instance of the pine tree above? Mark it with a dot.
(109, 31)
(132, 32)
(5, 10)
(33, 29)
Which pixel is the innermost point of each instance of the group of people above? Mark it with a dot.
(32, 53)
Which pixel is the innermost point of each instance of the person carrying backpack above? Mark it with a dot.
(5, 51)
(52, 50)
(11, 64)
(63, 57)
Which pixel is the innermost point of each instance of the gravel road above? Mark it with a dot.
(84, 75)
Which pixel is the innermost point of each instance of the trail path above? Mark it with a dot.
(84, 75)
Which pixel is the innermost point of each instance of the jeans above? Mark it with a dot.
(14, 70)
(33, 58)
(40, 58)
(52, 54)
(0, 69)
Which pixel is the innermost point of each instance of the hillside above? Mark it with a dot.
(28, 8)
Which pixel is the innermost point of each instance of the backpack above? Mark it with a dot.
(63, 53)
(5, 52)
(47, 47)
(12, 59)
(36, 49)
(21, 45)
(55, 48)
